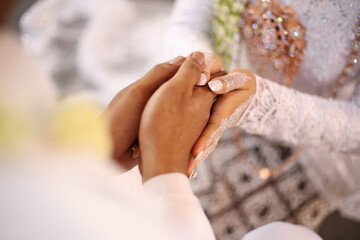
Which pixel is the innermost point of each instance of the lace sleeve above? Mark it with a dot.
(302, 119)
(189, 28)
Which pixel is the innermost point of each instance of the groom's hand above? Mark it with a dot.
(173, 119)
(124, 111)
(234, 90)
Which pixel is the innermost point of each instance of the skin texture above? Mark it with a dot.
(125, 110)
(173, 120)
(130, 102)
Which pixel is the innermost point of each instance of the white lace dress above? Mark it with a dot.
(327, 129)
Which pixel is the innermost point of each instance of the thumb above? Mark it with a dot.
(238, 79)
(211, 66)
(190, 71)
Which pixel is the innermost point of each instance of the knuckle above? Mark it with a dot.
(193, 66)
(172, 88)
(162, 67)
(177, 90)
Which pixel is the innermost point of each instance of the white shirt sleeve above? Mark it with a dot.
(189, 28)
(179, 207)
(80, 199)
(281, 231)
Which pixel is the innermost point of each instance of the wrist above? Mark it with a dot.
(155, 166)
(151, 175)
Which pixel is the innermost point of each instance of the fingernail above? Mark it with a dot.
(203, 80)
(215, 85)
(176, 60)
(199, 57)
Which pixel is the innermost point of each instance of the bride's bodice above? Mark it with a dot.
(330, 31)
(330, 26)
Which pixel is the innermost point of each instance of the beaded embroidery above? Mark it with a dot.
(274, 35)
(263, 43)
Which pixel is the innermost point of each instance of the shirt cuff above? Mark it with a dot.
(169, 183)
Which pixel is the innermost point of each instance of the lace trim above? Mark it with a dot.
(301, 119)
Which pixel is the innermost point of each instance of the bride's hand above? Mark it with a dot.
(173, 119)
(236, 89)
(124, 111)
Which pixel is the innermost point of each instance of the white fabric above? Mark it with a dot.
(100, 45)
(190, 28)
(281, 231)
(329, 128)
(80, 199)
(302, 119)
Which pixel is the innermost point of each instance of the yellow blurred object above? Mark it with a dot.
(15, 130)
(76, 127)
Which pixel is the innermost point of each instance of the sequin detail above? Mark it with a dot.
(235, 80)
(276, 36)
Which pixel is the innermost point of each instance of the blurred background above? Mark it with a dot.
(98, 47)
(86, 47)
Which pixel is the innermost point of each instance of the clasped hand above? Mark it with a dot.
(170, 112)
